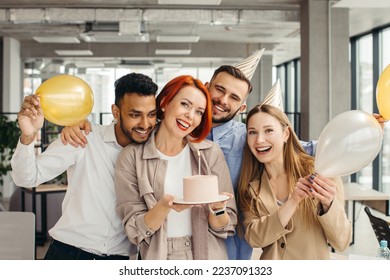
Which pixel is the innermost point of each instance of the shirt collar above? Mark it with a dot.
(109, 134)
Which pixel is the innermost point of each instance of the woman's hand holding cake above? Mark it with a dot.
(156, 216)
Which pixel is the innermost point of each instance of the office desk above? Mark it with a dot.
(370, 197)
(41, 190)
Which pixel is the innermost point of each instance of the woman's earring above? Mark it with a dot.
(163, 109)
(115, 121)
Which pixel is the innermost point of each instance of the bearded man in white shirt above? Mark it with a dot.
(89, 227)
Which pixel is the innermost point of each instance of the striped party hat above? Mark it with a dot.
(274, 96)
(248, 65)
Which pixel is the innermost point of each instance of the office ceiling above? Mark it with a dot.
(129, 32)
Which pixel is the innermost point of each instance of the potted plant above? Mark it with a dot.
(8, 140)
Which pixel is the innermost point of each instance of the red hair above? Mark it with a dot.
(169, 92)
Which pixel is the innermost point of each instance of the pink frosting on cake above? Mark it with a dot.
(200, 188)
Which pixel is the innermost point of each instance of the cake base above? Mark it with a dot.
(219, 198)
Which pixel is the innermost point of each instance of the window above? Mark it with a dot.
(289, 75)
(369, 57)
(365, 91)
(386, 137)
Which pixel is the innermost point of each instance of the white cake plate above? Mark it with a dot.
(219, 198)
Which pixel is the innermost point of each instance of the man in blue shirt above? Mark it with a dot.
(229, 88)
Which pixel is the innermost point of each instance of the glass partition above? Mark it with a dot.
(365, 92)
(386, 137)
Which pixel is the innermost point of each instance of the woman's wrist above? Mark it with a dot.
(217, 211)
(325, 207)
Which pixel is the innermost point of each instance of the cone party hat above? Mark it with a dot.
(248, 65)
(274, 96)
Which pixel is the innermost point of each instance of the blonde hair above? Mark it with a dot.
(297, 164)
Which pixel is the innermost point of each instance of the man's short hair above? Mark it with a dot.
(134, 83)
(233, 71)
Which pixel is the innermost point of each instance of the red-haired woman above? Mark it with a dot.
(149, 176)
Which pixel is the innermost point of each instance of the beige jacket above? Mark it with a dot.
(295, 241)
(139, 182)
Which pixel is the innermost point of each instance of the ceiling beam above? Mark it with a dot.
(75, 16)
(107, 50)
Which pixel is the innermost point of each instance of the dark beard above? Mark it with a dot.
(225, 119)
(128, 134)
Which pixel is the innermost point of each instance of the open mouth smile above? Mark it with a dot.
(182, 124)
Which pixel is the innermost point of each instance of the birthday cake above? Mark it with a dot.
(200, 188)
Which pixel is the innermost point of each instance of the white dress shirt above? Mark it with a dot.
(89, 220)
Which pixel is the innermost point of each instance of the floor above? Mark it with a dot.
(365, 244)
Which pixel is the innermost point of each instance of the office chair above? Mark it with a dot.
(380, 226)
(17, 235)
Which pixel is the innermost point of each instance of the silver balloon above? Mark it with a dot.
(348, 143)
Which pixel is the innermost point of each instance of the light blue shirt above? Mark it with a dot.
(231, 137)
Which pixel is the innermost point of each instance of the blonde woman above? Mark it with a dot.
(289, 211)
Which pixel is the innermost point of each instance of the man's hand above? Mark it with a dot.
(74, 135)
(30, 119)
(380, 119)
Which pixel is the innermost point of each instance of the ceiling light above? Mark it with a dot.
(129, 27)
(74, 52)
(113, 37)
(168, 65)
(172, 52)
(177, 39)
(56, 39)
(189, 2)
(89, 64)
(135, 62)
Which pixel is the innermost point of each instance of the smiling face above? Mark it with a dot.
(266, 137)
(228, 95)
(136, 118)
(184, 112)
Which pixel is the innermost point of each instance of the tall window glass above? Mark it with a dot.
(386, 137)
(365, 93)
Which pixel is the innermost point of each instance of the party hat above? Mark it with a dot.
(274, 96)
(248, 65)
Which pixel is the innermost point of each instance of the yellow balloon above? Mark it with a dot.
(383, 93)
(65, 99)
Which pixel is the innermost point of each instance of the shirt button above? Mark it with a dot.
(282, 245)
(187, 243)
(148, 233)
